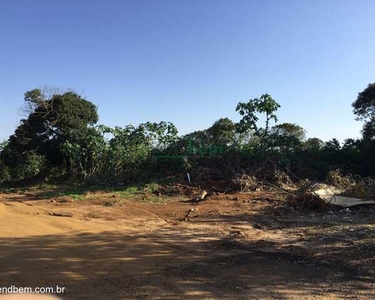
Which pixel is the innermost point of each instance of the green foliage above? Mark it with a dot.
(119, 154)
(222, 132)
(364, 106)
(249, 110)
(3, 145)
(4, 172)
(313, 145)
(61, 114)
(88, 157)
(29, 164)
(160, 135)
(289, 130)
(129, 152)
(364, 109)
(286, 137)
(51, 123)
(368, 130)
(59, 140)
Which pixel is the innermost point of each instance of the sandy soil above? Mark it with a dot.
(237, 246)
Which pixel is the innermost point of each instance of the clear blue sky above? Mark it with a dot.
(191, 61)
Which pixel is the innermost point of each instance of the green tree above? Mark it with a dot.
(364, 109)
(89, 158)
(3, 145)
(290, 130)
(131, 148)
(332, 145)
(63, 115)
(51, 122)
(222, 132)
(250, 110)
(313, 144)
(161, 135)
(287, 136)
(4, 171)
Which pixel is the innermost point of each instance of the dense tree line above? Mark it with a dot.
(59, 140)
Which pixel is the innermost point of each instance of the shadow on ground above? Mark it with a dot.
(169, 264)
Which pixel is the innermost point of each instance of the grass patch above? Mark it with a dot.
(143, 192)
(76, 196)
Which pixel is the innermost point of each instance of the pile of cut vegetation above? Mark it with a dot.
(352, 186)
(338, 190)
(269, 179)
(307, 197)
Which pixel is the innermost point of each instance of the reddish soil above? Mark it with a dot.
(230, 246)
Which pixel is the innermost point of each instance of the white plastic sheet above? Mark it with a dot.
(332, 195)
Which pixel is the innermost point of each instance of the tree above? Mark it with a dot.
(4, 172)
(287, 136)
(368, 130)
(212, 140)
(290, 130)
(89, 158)
(364, 109)
(130, 149)
(222, 132)
(192, 142)
(332, 153)
(249, 110)
(161, 135)
(332, 145)
(248, 124)
(3, 145)
(313, 144)
(51, 122)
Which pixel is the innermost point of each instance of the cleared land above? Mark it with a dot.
(230, 246)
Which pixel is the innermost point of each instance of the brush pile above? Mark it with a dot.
(306, 196)
(246, 183)
(339, 190)
(264, 181)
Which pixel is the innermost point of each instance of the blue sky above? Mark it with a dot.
(190, 62)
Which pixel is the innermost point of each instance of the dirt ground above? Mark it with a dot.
(230, 246)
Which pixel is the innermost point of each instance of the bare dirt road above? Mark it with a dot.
(238, 246)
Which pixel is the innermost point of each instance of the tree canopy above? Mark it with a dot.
(51, 122)
(250, 110)
(364, 109)
(59, 140)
